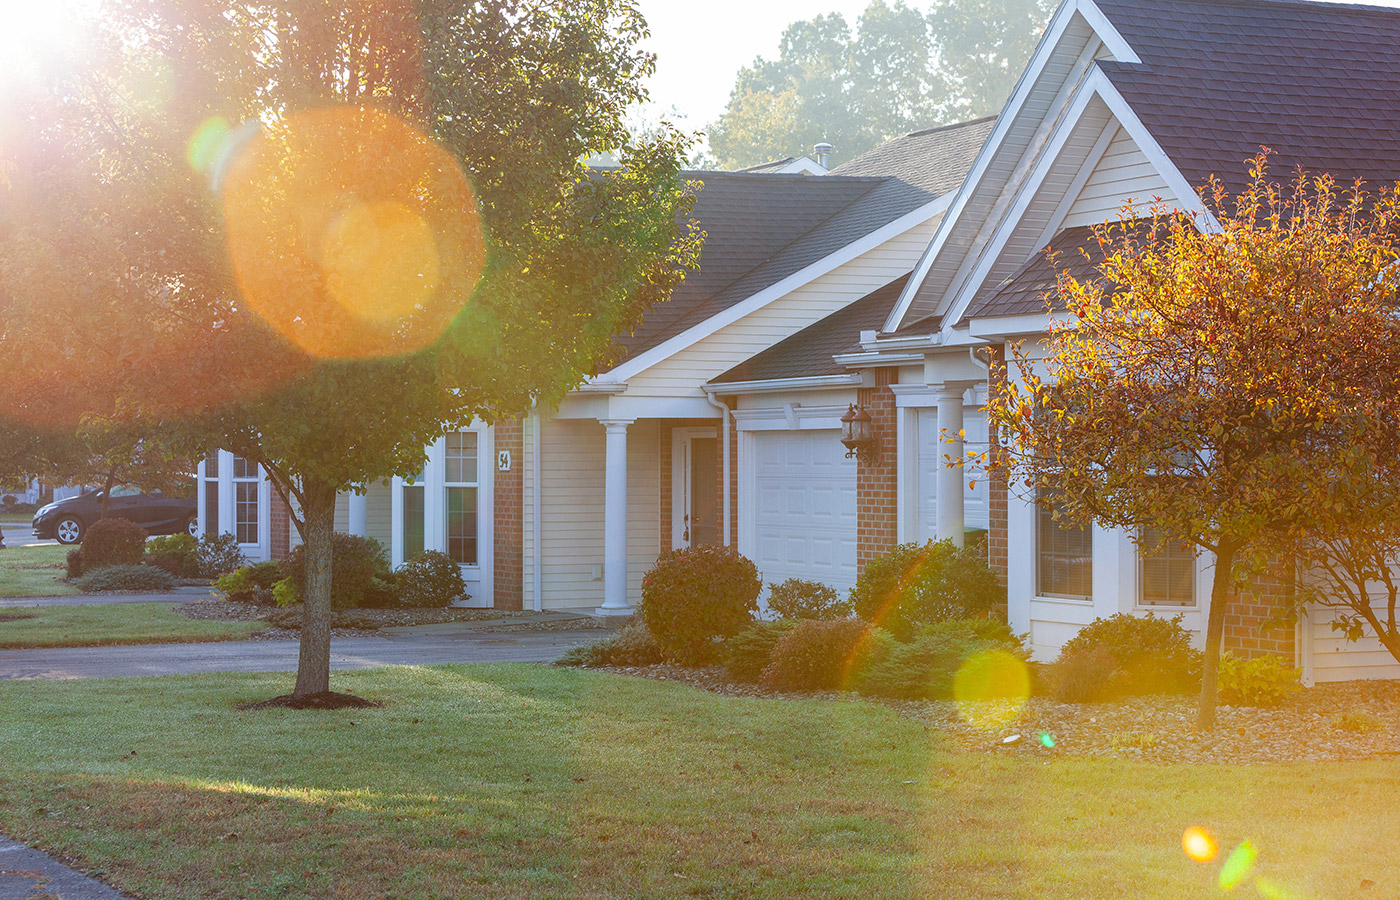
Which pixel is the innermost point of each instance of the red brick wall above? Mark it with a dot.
(508, 574)
(997, 482)
(877, 484)
(1248, 611)
(281, 517)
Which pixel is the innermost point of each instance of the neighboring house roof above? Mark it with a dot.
(790, 165)
(1033, 289)
(1318, 83)
(762, 228)
(810, 352)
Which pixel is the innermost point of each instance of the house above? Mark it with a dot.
(890, 283)
(693, 435)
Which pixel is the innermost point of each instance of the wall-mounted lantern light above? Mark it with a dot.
(858, 434)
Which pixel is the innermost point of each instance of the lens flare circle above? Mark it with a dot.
(351, 233)
(1199, 845)
(991, 689)
(1239, 865)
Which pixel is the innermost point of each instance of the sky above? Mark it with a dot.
(701, 47)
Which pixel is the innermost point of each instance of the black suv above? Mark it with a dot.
(67, 520)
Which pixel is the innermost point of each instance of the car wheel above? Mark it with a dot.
(68, 530)
(192, 527)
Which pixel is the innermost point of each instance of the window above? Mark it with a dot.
(210, 524)
(1064, 563)
(413, 516)
(246, 487)
(461, 484)
(1169, 573)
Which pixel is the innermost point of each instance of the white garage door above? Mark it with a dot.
(804, 492)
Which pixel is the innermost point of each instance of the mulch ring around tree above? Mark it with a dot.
(1344, 721)
(321, 700)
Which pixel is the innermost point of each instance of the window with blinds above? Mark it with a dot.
(461, 483)
(1168, 570)
(1064, 556)
(245, 500)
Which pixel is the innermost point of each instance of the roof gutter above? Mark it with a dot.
(763, 386)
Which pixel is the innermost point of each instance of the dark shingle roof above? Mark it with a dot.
(1319, 83)
(1032, 288)
(761, 228)
(809, 352)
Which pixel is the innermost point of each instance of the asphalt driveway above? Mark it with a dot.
(422, 645)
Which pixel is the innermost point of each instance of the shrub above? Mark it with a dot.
(74, 563)
(748, 653)
(251, 584)
(820, 654)
(127, 578)
(1261, 681)
(284, 593)
(1125, 655)
(113, 542)
(632, 646)
(360, 575)
(1356, 720)
(797, 598)
(915, 585)
(177, 554)
(430, 579)
(924, 667)
(695, 595)
(218, 554)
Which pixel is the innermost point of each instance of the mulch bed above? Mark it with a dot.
(1158, 729)
(322, 700)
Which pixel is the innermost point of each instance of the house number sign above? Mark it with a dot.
(503, 461)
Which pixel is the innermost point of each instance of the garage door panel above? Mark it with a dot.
(805, 515)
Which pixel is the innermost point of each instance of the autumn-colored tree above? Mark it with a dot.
(1234, 386)
(322, 234)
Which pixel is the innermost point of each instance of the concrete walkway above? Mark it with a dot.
(179, 595)
(455, 642)
(26, 874)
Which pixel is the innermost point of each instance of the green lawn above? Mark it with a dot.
(528, 782)
(16, 518)
(111, 623)
(34, 571)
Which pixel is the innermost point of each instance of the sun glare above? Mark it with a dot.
(31, 32)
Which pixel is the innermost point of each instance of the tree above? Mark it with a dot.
(1234, 388)
(900, 71)
(398, 237)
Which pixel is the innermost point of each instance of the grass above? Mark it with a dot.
(14, 518)
(527, 782)
(108, 624)
(34, 571)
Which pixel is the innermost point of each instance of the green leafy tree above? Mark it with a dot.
(899, 71)
(398, 238)
(1235, 389)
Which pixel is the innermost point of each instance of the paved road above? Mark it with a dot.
(430, 645)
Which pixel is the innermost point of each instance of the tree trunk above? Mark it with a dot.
(314, 663)
(1215, 631)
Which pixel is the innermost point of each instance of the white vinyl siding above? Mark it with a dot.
(682, 373)
(571, 474)
(1123, 173)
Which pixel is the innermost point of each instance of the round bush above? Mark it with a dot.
(1125, 655)
(113, 542)
(798, 598)
(915, 585)
(360, 574)
(822, 655)
(695, 595)
(127, 578)
(924, 668)
(251, 584)
(177, 554)
(218, 554)
(430, 579)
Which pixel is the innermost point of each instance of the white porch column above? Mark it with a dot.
(226, 510)
(359, 514)
(396, 548)
(950, 479)
(615, 520)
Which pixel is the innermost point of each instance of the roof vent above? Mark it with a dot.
(823, 154)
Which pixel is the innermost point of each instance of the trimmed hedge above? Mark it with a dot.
(177, 554)
(127, 578)
(748, 653)
(821, 655)
(360, 574)
(430, 579)
(694, 596)
(924, 668)
(632, 646)
(112, 542)
(798, 598)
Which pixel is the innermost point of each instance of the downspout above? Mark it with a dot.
(536, 526)
(725, 505)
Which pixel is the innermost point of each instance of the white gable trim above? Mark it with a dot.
(645, 360)
(1049, 42)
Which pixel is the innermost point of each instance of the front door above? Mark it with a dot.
(696, 507)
